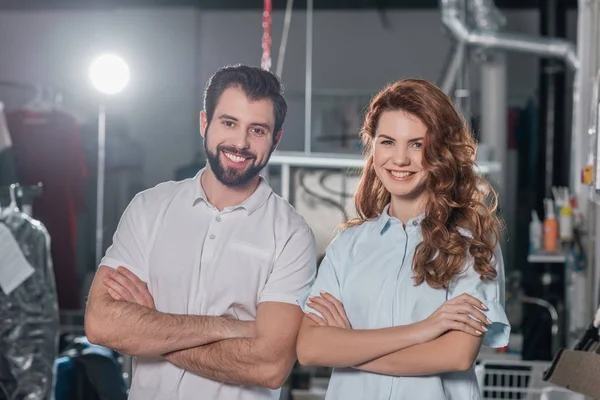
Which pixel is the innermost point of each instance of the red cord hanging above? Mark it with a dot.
(266, 39)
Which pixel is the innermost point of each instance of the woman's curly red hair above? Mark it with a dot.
(457, 197)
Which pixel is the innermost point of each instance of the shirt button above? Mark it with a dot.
(218, 219)
(212, 236)
(415, 223)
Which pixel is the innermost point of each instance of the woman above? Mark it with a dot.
(408, 291)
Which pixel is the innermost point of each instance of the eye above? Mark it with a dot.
(258, 131)
(417, 145)
(229, 124)
(387, 142)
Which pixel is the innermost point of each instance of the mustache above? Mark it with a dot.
(235, 151)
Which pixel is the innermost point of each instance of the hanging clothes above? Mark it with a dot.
(8, 173)
(29, 321)
(48, 149)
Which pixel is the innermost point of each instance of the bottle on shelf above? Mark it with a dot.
(550, 227)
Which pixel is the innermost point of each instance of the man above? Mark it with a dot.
(204, 278)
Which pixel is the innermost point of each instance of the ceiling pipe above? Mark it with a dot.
(493, 40)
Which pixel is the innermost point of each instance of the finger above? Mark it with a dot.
(129, 285)
(149, 301)
(467, 309)
(130, 275)
(316, 319)
(474, 312)
(140, 284)
(115, 295)
(339, 321)
(338, 306)
(467, 298)
(470, 322)
(460, 326)
(146, 295)
(118, 288)
(325, 312)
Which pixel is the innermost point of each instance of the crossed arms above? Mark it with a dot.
(447, 341)
(121, 314)
(259, 353)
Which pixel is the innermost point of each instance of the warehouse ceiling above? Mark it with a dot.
(254, 4)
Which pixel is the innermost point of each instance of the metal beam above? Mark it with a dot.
(253, 4)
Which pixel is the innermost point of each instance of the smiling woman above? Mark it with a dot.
(409, 291)
(398, 154)
(413, 131)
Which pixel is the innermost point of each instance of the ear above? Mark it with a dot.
(277, 139)
(203, 123)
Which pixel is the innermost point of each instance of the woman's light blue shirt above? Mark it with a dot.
(369, 269)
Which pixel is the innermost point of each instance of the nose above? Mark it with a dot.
(241, 140)
(400, 156)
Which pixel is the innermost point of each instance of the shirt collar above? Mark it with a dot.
(251, 204)
(385, 220)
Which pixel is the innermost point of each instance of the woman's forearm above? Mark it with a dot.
(454, 351)
(337, 347)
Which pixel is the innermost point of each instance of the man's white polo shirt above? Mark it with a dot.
(199, 261)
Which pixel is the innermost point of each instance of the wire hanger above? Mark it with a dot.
(40, 102)
(13, 206)
(13, 198)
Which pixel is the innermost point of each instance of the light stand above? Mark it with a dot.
(109, 75)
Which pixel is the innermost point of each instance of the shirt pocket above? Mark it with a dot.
(251, 250)
(243, 271)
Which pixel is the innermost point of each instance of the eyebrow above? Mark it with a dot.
(410, 141)
(232, 118)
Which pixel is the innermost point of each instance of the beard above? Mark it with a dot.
(230, 176)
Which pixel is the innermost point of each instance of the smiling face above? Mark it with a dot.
(240, 138)
(398, 154)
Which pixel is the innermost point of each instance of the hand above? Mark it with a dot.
(330, 308)
(456, 314)
(124, 285)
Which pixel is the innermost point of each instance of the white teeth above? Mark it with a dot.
(403, 174)
(234, 158)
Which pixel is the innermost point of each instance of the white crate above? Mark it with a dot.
(522, 380)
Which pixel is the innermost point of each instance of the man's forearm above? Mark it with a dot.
(338, 347)
(451, 352)
(240, 361)
(140, 331)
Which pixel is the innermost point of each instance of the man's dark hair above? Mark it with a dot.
(257, 83)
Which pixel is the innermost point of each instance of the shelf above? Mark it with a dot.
(340, 160)
(316, 160)
(547, 258)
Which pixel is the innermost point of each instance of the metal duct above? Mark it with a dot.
(546, 47)
(452, 67)
(484, 15)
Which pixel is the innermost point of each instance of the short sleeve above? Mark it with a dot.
(128, 248)
(491, 294)
(294, 270)
(327, 277)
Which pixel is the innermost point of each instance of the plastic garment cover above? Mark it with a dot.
(29, 318)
